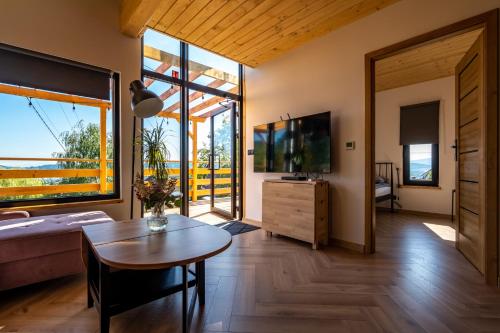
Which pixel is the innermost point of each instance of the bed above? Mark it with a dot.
(384, 183)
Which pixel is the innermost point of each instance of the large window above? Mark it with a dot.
(197, 88)
(58, 128)
(419, 136)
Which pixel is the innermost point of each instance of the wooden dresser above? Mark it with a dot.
(297, 209)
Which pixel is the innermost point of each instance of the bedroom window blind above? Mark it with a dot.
(419, 124)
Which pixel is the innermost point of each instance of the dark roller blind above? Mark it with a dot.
(419, 123)
(36, 70)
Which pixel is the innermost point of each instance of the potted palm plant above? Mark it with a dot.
(157, 189)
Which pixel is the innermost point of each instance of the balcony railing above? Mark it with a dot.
(199, 181)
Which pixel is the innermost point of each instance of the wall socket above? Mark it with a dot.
(350, 145)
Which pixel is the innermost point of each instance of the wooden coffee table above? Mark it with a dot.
(128, 266)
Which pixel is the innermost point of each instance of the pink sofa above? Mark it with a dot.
(40, 248)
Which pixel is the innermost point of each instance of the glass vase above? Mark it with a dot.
(158, 220)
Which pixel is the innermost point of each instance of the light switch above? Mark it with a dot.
(350, 145)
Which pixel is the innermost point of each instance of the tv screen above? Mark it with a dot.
(293, 146)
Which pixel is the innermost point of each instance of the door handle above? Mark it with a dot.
(454, 146)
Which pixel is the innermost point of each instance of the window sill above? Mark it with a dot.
(421, 187)
(65, 205)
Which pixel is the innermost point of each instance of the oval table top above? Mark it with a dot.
(131, 245)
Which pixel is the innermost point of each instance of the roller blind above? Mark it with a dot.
(40, 71)
(419, 123)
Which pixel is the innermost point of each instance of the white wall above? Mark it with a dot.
(328, 74)
(388, 149)
(85, 31)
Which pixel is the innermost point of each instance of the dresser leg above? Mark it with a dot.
(269, 234)
(315, 245)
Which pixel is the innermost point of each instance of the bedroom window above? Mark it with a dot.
(59, 130)
(419, 136)
(421, 164)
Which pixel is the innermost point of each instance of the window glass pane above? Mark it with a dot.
(168, 121)
(212, 70)
(200, 183)
(421, 162)
(54, 148)
(161, 53)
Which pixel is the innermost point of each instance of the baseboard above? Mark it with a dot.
(416, 212)
(360, 248)
(252, 222)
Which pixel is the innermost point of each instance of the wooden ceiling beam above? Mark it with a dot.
(52, 96)
(194, 96)
(135, 15)
(160, 69)
(204, 105)
(175, 88)
(177, 117)
(209, 102)
(162, 56)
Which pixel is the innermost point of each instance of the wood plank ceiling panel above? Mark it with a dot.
(427, 62)
(250, 31)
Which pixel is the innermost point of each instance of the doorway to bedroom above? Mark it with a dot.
(433, 162)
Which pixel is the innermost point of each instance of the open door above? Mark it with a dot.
(471, 157)
(223, 162)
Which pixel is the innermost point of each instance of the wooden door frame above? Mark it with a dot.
(489, 22)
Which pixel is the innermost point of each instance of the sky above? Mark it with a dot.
(420, 152)
(23, 133)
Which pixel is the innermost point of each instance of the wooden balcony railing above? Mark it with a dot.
(199, 182)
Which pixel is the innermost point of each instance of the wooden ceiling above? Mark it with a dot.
(427, 62)
(250, 32)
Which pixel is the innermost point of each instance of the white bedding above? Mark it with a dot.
(382, 190)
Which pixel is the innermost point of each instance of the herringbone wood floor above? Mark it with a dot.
(416, 282)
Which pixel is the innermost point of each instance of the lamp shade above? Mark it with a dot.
(145, 103)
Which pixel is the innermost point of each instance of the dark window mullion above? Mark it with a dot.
(184, 135)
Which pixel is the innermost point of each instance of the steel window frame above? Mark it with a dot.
(185, 86)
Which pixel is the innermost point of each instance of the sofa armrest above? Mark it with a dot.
(13, 215)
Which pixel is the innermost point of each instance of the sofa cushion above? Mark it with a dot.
(43, 235)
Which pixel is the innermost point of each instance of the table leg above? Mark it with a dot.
(185, 316)
(200, 281)
(104, 317)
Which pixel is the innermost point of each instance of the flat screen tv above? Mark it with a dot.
(299, 145)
